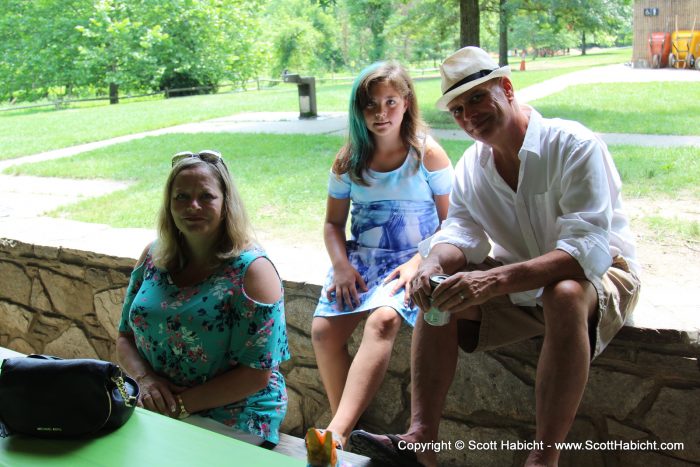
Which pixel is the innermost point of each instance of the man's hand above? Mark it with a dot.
(465, 289)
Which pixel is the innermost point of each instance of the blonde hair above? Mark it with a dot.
(236, 231)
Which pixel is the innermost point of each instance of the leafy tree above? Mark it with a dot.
(126, 44)
(305, 36)
(115, 46)
(207, 42)
(423, 30)
(37, 56)
(539, 31)
(592, 16)
(371, 15)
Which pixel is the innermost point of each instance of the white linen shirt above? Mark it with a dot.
(568, 198)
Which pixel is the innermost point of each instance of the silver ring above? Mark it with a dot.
(461, 297)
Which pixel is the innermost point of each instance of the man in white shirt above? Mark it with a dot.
(542, 197)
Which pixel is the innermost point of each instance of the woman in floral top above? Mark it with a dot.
(202, 328)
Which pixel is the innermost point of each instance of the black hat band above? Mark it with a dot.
(472, 77)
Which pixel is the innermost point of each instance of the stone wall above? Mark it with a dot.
(643, 389)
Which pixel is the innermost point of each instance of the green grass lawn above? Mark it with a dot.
(285, 189)
(593, 57)
(663, 108)
(658, 172)
(31, 131)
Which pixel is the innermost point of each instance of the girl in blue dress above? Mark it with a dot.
(202, 328)
(395, 182)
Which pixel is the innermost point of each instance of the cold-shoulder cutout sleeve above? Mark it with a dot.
(262, 282)
(338, 185)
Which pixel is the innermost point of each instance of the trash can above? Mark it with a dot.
(306, 86)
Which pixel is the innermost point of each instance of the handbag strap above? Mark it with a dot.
(118, 379)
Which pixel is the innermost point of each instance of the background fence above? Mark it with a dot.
(259, 84)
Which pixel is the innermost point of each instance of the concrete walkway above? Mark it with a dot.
(23, 200)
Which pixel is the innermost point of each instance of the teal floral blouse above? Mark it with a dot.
(192, 334)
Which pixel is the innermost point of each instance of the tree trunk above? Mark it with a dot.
(113, 93)
(583, 43)
(469, 23)
(502, 34)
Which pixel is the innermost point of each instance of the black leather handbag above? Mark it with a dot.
(54, 398)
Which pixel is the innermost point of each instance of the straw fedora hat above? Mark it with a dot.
(464, 69)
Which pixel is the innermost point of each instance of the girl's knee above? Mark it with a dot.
(383, 322)
(321, 330)
(331, 332)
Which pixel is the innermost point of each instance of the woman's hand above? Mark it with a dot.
(158, 395)
(405, 274)
(346, 279)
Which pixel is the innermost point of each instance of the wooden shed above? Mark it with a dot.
(660, 16)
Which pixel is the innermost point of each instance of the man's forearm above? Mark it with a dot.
(542, 271)
(448, 257)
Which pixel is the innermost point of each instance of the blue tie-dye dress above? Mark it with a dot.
(388, 219)
(192, 334)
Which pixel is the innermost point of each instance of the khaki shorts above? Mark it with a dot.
(504, 323)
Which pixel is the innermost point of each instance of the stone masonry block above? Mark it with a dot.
(388, 405)
(299, 310)
(294, 420)
(14, 320)
(622, 393)
(300, 347)
(401, 352)
(47, 253)
(13, 248)
(674, 418)
(483, 384)
(70, 297)
(14, 283)
(22, 346)
(108, 306)
(621, 431)
(98, 279)
(71, 344)
(39, 300)
(306, 382)
(47, 328)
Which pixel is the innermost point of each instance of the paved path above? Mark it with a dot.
(23, 199)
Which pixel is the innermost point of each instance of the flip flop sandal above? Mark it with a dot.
(369, 445)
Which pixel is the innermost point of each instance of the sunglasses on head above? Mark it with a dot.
(206, 155)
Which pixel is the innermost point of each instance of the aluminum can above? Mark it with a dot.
(433, 316)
